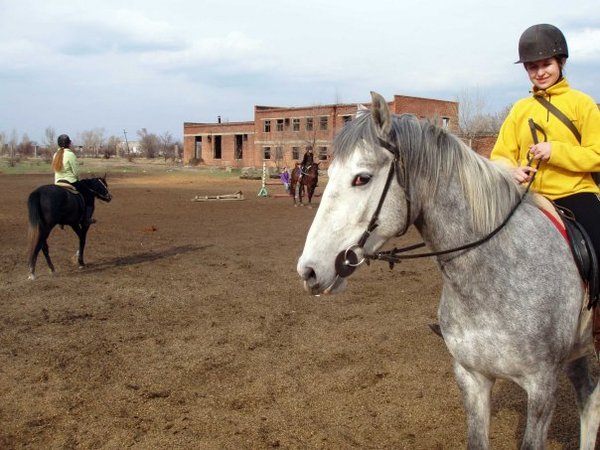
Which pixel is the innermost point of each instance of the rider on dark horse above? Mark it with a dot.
(66, 170)
(307, 161)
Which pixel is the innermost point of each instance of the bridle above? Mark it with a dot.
(347, 261)
(101, 196)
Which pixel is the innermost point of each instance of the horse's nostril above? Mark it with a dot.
(308, 273)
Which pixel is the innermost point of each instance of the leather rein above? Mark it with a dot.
(347, 261)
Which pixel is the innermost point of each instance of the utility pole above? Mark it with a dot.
(127, 144)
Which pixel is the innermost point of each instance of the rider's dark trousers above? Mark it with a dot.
(586, 209)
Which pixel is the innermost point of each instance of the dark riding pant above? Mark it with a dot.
(586, 209)
(88, 198)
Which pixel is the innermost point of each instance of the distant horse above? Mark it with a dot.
(511, 307)
(308, 181)
(52, 205)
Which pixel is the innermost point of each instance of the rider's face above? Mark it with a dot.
(543, 73)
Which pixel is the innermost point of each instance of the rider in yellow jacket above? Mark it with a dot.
(562, 165)
(568, 170)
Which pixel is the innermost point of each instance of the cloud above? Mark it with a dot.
(584, 45)
(124, 32)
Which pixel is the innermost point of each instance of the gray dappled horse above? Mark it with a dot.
(511, 307)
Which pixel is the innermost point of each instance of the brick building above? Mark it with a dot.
(279, 136)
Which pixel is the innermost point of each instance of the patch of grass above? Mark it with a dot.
(99, 166)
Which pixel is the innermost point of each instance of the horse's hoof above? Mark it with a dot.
(31, 277)
(81, 266)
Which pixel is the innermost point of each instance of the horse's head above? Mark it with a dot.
(99, 187)
(360, 172)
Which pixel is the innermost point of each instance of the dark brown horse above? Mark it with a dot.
(309, 180)
(52, 205)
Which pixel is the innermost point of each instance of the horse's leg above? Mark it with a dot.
(588, 402)
(311, 192)
(476, 392)
(541, 399)
(46, 251)
(81, 232)
(590, 420)
(579, 375)
(40, 236)
(293, 191)
(33, 256)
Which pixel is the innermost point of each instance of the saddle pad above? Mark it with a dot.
(67, 186)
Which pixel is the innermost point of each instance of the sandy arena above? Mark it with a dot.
(189, 329)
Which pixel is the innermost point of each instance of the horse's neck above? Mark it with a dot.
(444, 220)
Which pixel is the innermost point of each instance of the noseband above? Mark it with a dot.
(98, 194)
(347, 260)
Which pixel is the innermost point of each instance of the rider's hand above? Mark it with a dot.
(523, 174)
(541, 151)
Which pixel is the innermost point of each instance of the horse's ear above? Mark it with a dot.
(381, 114)
(361, 110)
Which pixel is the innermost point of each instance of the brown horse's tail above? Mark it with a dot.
(35, 221)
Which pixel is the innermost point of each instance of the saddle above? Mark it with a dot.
(67, 186)
(580, 243)
(584, 255)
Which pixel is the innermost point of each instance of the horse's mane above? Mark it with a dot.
(434, 155)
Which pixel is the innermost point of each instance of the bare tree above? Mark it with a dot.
(473, 117)
(92, 141)
(111, 147)
(12, 148)
(166, 141)
(25, 147)
(149, 143)
(3, 145)
(50, 138)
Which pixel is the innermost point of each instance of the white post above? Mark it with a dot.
(263, 190)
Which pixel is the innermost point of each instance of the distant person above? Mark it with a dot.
(285, 178)
(66, 169)
(307, 160)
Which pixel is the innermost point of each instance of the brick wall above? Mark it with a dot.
(279, 136)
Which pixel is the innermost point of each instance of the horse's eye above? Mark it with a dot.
(361, 179)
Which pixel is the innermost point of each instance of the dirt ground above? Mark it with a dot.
(189, 329)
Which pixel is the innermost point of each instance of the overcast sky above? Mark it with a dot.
(128, 64)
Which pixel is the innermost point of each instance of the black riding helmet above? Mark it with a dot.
(64, 141)
(540, 42)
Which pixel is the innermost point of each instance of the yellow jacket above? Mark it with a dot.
(568, 171)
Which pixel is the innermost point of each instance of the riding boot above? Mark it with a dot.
(88, 220)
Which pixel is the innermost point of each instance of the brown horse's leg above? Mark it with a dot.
(311, 191)
(301, 191)
(293, 190)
